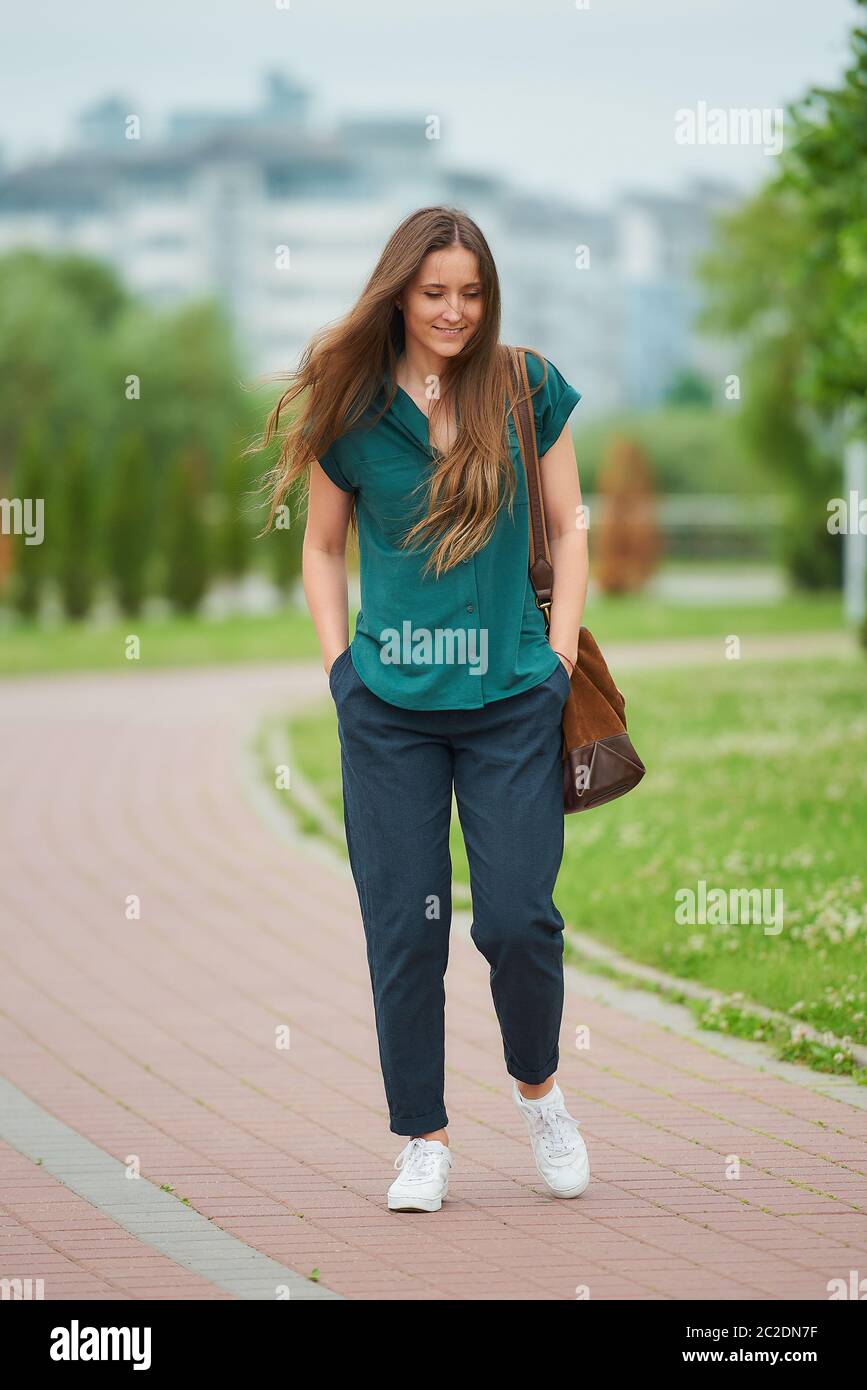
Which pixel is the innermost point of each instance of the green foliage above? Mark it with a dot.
(813, 557)
(48, 345)
(77, 349)
(185, 363)
(730, 800)
(689, 388)
(234, 533)
(92, 284)
(30, 563)
(691, 449)
(70, 524)
(127, 523)
(790, 1042)
(825, 169)
(286, 539)
(788, 278)
(185, 534)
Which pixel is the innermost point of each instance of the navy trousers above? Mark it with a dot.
(399, 767)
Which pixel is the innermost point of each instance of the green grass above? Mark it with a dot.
(646, 619)
(181, 641)
(289, 635)
(757, 778)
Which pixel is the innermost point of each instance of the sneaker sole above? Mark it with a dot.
(420, 1204)
(572, 1192)
(417, 1203)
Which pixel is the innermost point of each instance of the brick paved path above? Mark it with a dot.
(156, 1038)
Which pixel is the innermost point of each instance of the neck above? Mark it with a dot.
(416, 365)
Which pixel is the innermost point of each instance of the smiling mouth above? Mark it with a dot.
(447, 330)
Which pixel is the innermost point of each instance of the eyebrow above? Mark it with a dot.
(438, 285)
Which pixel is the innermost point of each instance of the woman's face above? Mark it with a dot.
(442, 305)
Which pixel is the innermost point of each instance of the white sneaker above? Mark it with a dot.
(559, 1150)
(424, 1177)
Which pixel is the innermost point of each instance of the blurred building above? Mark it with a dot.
(659, 239)
(283, 223)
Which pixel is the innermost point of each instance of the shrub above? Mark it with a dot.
(627, 540)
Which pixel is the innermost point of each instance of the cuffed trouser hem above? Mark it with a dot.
(533, 1078)
(419, 1124)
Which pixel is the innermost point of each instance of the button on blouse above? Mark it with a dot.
(475, 634)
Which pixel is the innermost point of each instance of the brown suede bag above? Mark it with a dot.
(599, 761)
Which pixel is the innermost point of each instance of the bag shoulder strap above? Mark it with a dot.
(541, 571)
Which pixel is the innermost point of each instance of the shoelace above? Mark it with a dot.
(556, 1128)
(417, 1160)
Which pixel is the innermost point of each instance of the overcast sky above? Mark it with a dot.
(557, 98)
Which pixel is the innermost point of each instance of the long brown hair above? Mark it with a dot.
(345, 366)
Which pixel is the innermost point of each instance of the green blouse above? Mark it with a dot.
(475, 634)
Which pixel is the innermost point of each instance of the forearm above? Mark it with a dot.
(326, 590)
(569, 559)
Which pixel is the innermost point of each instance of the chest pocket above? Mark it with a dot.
(393, 491)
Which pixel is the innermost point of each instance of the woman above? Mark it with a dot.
(450, 679)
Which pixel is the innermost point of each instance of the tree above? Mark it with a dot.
(75, 345)
(73, 525)
(286, 539)
(233, 538)
(825, 170)
(127, 530)
(627, 541)
(30, 570)
(754, 292)
(185, 532)
(47, 347)
(788, 277)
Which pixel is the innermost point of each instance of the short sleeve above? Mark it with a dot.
(333, 463)
(553, 403)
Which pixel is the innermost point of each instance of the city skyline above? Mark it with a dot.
(284, 225)
(572, 132)
(220, 187)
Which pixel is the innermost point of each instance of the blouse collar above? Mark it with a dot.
(408, 416)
